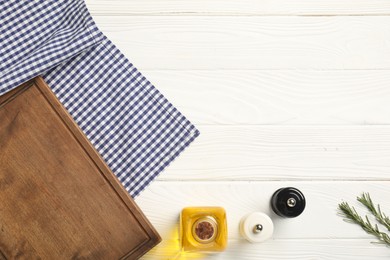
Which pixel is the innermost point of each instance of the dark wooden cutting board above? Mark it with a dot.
(58, 199)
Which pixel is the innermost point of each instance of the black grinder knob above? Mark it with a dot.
(288, 202)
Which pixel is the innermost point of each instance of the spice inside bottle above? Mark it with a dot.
(203, 229)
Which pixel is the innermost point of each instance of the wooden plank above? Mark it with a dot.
(194, 42)
(320, 219)
(58, 198)
(303, 249)
(244, 7)
(285, 153)
(278, 97)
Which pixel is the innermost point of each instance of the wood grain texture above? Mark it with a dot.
(193, 42)
(278, 97)
(285, 153)
(285, 249)
(59, 199)
(244, 7)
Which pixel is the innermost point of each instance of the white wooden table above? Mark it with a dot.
(285, 93)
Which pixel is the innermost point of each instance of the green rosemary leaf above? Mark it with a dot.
(366, 200)
(350, 215)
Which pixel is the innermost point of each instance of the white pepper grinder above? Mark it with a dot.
(256, 227)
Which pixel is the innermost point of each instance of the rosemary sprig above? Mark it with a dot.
(352, 216)
(365, 199)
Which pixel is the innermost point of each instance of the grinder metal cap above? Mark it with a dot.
(288, 202)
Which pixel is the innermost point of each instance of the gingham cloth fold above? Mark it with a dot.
(130, 123)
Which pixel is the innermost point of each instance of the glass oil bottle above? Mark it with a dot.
(203, 229)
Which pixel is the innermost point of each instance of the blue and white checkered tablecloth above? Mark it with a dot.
(130, 123)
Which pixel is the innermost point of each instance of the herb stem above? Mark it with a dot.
(365, 199)
(352, 216)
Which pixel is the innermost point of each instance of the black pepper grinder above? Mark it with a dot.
(288, 202)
